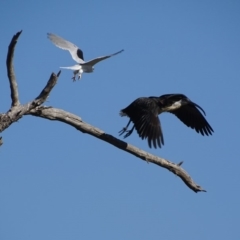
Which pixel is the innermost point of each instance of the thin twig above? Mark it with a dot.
(41, 98)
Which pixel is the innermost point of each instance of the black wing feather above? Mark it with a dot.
(194, 119)
(146, 122)
(80, 53)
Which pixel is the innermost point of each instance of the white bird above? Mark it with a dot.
(77, 55)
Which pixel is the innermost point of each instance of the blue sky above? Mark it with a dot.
(57, 183)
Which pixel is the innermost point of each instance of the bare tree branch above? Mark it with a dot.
(34, 108)
(10, 70)
(48, 88)
(75, 121)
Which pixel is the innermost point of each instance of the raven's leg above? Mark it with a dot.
(129, 132)
(124, 129)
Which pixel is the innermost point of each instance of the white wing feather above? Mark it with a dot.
(75, 67)
(66, 45)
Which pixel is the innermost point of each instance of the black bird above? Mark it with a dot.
(144, 111)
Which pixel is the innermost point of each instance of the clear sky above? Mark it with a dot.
(57, 183)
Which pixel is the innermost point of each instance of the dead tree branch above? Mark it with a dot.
(75, 121)
(10, 70)
(35, 108)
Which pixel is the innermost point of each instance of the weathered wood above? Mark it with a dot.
(76, 122)
(10, 70)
